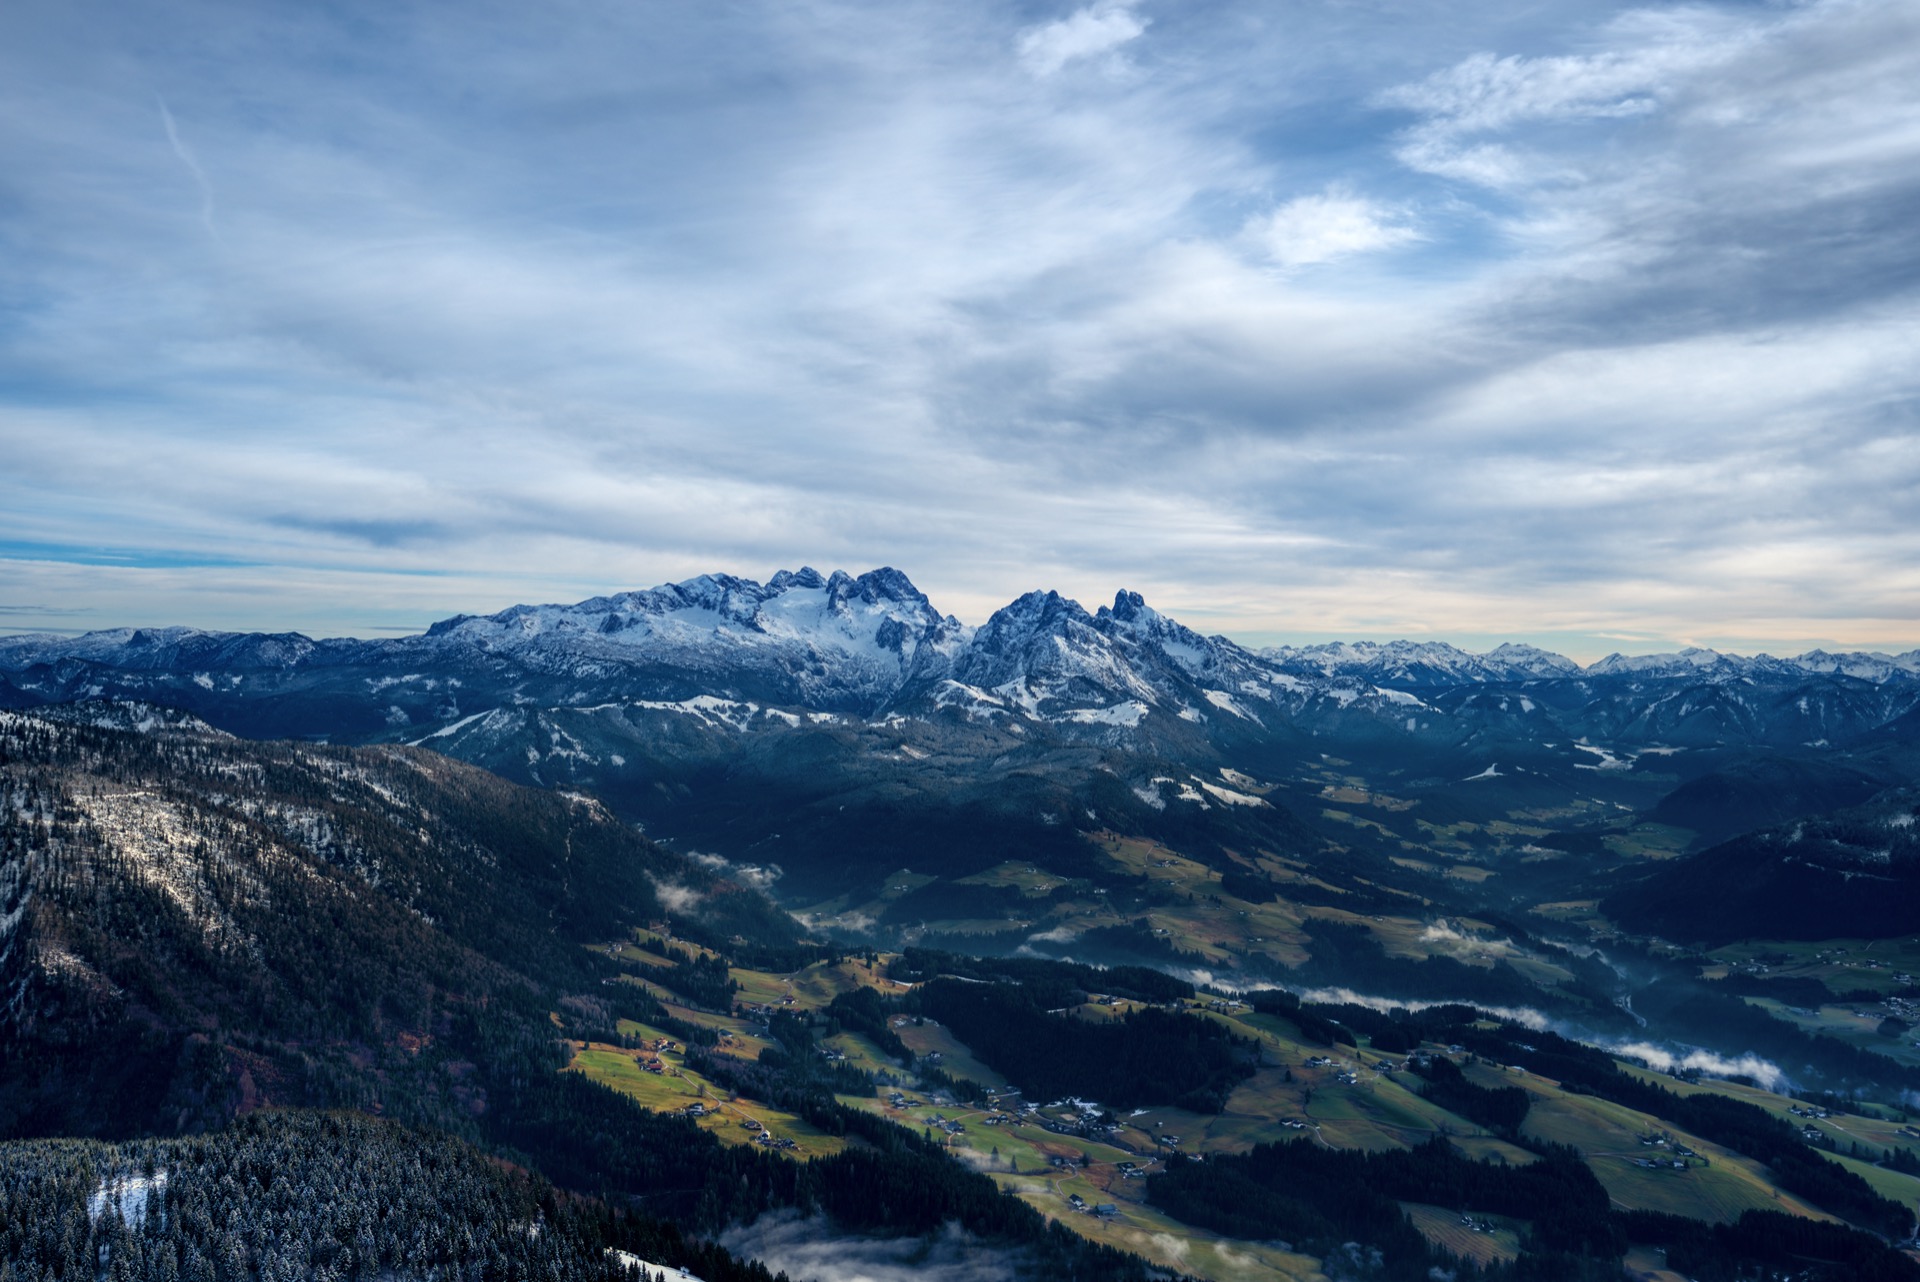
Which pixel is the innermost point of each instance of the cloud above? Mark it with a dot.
(812, 1248)
(1564, 321)
(1443, 931)
(757, 876)
(1171, 1248)
(1331, 225)
(1764, 1071)
(1525, 1016)
(1751, 178)
(676, 898)
(1086, 33)
(193, 165)
(1058, 935)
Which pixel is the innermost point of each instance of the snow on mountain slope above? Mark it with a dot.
(1874, 668)
(1422, 662)
(164, 649)
(832, 638)
(1692, 661)
(1042, 653)
(873, 646)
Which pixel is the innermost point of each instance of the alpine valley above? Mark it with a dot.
(797, 926)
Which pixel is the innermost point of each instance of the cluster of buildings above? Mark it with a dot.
(761, 1011)
(1105, 1210)
(1675, 1158)
(763, 1136)
(1083, 1122)
(649, 1057)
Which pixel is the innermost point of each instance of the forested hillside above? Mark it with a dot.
(287, 1196)
(255, 924)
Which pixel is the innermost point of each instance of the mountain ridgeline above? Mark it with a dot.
(830, 730)
(874, 646)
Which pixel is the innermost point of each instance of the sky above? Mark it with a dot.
(1593, 326)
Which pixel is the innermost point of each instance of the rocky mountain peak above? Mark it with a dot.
(804, 577)
(885, 585)
(1128, 606)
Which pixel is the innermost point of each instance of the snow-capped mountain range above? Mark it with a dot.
(873, 646)
(836, 725)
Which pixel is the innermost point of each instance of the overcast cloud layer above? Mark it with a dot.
(1589, 325)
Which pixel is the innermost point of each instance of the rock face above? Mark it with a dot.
(834, 644)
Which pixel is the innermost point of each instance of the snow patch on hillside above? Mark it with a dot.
(711, 709)
(126, 1195)
(1231, 797)
(163, 848)
(1227, 703)
(1127, 714)
(1608, 759)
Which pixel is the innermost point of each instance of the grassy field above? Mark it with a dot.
(1904, 1189)
(1205, 920)
(1501, 1243)
(955, 1059)
(1017, 873)
(812, 987)
(738, 1036)
(1645, 1264)
(1869, 1131)
(679, 1086)
(1168, 1242)
(1021, 1157)
(1841, 964)
(1650, 841)
(863, 1055)
(634, 955)
(641, 936)
(1855, 1023)
(1471, 873)
(1716, 1190)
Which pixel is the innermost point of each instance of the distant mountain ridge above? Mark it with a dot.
(811, 648)
(836, 720)
(861, 643)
